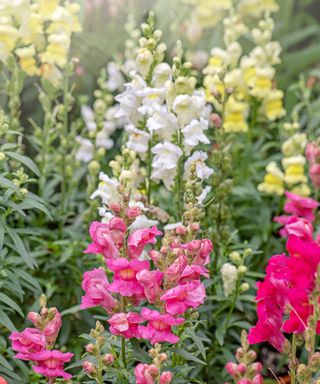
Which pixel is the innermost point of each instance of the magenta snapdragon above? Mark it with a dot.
(167, 277)
(35, 344)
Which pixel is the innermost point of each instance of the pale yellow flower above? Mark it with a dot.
(294, 169)
(235, 116)
(272, 105)
(27, 60)
(273, 180)
(57, 50)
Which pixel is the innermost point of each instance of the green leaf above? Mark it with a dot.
(6, 322)
(187, 355)
(197, 340)
(6, 299)
(25, 161)
(9, 184)
(71, 310)
(21, 248)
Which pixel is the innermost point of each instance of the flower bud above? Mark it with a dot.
(132, 213)
(166, 377)
(90, 348)
(88, 367)
(244, 287)
(115, 207)
(235, 257)
(2, 156)
(108, 358)
(242, 269)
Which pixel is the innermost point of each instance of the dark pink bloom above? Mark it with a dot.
(28, 341)
(166, 377)
(314, 173)
(158, 329)
(125, 276)
(50, 363)
(183, 297)
(52, 329)
(202, 256)
(145, 374)
(125, 324)
(193, 272)
(151, 282)
(95, 284)
(313, 152)
(174, 271)
(118, 231)
(296, 226)
(133, 212)
(102, 241)
(140, 238)
(300, 206)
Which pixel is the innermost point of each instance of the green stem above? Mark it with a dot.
(293, 358)
(123, 351)
(64, 139)
(149, 170)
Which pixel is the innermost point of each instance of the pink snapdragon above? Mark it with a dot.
(296, 226)
(50, 363)
(95, 284)
(125, 279)
(28, 341)
(288, 283)
(300, 206)
(183, 297)
(140, 238)
(159, 327)
(35, 344)
(103, 241)
(246, 370)
(145, 374)
(125, 324)
(53, 326)
(151, 282)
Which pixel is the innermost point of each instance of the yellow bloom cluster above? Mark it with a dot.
(292, 177)
(237, 80)
(38, 33)
(208, 13)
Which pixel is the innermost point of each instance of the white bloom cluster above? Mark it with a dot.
(229, 274)
(167, 117)
(99, 135)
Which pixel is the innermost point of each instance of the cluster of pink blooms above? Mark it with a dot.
(172, 286)
(147, 374)
(283, 298)
(313, 156)
(35, 344)
(246, 370)
(300, 216)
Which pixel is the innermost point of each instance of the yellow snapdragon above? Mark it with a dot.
(272, 105)
(235, 117)
(38, 33)
(27, 60)
(273, 182)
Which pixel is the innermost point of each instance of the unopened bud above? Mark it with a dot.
(88, 367)
(90, 348)
(108, 358)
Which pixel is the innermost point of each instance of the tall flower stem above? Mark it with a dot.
(123, 351)
(149, 170)
(293, 359)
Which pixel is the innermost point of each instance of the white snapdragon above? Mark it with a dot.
(107, 190)
(165, 163)
(88, 117)
(198, 158)
(116, 79)
(138, 140)
(85, 150)
(229, 274)
(162, 122)
(161, 74)
(194, 134)
(188, 108)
